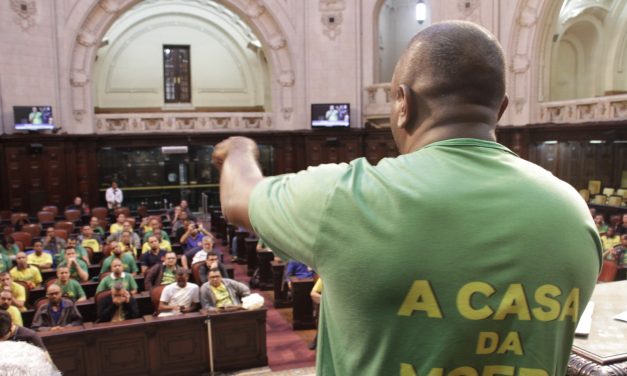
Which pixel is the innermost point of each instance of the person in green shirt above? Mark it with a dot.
(130, 265)
(96, 228)
(78, 268)
(9, 249)
(155, 228)
(80, 251)
(473, 280)
(117, 275)
(70, 287)
(5, 263)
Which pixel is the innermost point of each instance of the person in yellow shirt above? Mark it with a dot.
(26, 273)
(39, 258)
(163, 244)
(5, 303)
(88, 240)
(610, 239)
(18, 292)
(118, 225)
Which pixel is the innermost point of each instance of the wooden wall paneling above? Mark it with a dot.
(620, 164)
(545, 155)
(17, 175)
(71, 356)
(179, 347)
(57, 185)
(597, 162)
(379, 145)
(571, 168)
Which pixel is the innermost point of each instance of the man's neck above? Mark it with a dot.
(22, 267)
(155, 251)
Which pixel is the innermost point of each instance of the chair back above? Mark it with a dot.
(585, 194)
(622, 192)
(142, 211)
(45, 216)
(196, 272)
(103, 275)
(24, 237)
(608, 271)
(34, 229)
(608, 191)
(64, 225)
(17, 217)
(100, 212)
(72, 215)
(51, 208)
(123, 210)
(40, 302)
(615, 200)
(20, 245)
(5, 215)
(155, 296)
(90, 253)
(594, 186)
(131, 220)
(600, 199)
(60, 233)
(99, 296)
(51, 281)
(103, 223)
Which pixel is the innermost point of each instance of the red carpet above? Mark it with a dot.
(286, 349)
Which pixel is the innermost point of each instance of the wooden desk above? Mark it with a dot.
(302, 305)
(250, 250)
(604, 350)
(176, 345)
(264, 260)
(281, 299)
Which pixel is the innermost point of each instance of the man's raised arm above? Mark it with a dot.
(236, 159)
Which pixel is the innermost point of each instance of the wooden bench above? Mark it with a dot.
(302, 305)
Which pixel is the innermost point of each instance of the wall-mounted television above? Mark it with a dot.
(33, 118)
(330, 115)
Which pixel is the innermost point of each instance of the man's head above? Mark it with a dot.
(153, 243)
(215, 278)
(63, 273)
(170, 259)
(212, 258)
(5, 323)
(116, 248)
(207, 243)
(53, 293)
(38, 246)
(114, 184)
(71, 243)
(22, 358)
(183, 216)
(193, 229)
(598, 219)
(78, 201)
(452, 74)
(87, 231)
(623, 240)
(5, 279)
(70, 254)
(118, 291)
(50, 232)
(125, 237)
(120, 218)
(155, 225)
(126, 226)
(5, 299)
(184, 205)
(20, 260)
(117, 267)
(182, 275)
(93, 222)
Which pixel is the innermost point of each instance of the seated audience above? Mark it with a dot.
(134, 238)
(621, 228)
(198, 254)
(78, 268)
(193, 237)
(154, 227)
(117, 275)
(599, 221)
(118, 306)
(70, 287)
(18, 292)
(80, 251)
(610, 239)
(130, 265)
(26, 273)
(162, 273)
(39, 258)
(155, 254)
(182, 207)
(94, 223)
(298, 270)
(128, 244)
(180, 297)
(163, 244)
(53, 243)
(90, 240)
(179, 226)
(222, 292)
(212, 262)
(620, 255)
(9, 331)
(9, 248)
(58, 313)
(6, 304)
(118, 225)
(79, 205)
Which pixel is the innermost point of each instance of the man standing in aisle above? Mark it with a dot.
(508, 309)
(114, 196)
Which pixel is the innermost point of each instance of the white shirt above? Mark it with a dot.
(174, 295)
(200, 256)
(114, 197)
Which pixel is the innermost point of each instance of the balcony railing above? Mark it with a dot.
(585, 110)
(378, 104)
(182, 122)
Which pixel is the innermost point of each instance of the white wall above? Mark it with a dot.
(224, 72)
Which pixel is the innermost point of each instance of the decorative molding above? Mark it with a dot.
(599, 109)
(110, 6)
(181, 122)
(255, 9)
(86, 38)
(331, 17)
(277, 42)
(79, 78)
(286, 79)
(25, 11)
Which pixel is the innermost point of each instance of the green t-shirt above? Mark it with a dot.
(438, 262)
(130, 266)
(168, 276)
(5, 263)
(80, 251)
(72, 289)
(73, 272)
(11, 251)
(107, 282)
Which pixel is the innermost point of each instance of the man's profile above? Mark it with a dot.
(434, 262)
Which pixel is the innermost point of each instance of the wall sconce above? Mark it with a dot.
(421, 11)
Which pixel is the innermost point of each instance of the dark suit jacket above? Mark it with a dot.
(106, 309)
(69, 316)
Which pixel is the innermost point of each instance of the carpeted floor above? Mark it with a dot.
(287, 349)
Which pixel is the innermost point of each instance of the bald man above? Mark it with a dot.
(505, 300)
(58, 313)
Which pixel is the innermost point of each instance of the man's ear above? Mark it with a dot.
(405, 103)
(503, 107)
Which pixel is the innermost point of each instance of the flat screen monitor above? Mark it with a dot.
(330, 115)
(33, 118)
